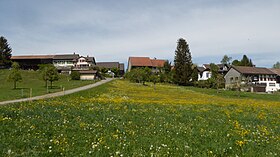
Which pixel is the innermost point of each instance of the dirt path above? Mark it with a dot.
(57, 94)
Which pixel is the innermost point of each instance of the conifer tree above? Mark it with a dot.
(5, 53)
(183, 63)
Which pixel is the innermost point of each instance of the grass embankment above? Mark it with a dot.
(126, 119)
(33, 79)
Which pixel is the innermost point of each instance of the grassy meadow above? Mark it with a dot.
(33, 79)
(127, 119)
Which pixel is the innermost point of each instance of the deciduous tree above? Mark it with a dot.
(15, 75)
(226, 59)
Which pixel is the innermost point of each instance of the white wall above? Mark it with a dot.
(270, 87)
(87, 77)
(204, 75)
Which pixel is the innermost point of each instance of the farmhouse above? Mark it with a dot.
(260, 79)
(204, 72)
(111, 65)
(138, 62)
(63, 62)
(32, 61)
(84, 63)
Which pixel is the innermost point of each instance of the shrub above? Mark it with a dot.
(75, 75)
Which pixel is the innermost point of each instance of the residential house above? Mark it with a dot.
(64, 62)
(204, 72)
(84, 63)
(111, 65)
(138, 62)
(260, 79)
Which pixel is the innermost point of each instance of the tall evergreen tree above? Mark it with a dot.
(276, 65)
(5, 53)
(182, 63)
(245, 61)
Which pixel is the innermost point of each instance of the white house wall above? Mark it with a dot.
(87, 77)
(205, 75)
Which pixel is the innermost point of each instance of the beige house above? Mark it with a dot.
(261, 79)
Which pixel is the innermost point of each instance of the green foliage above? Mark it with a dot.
(245, 61)
(52, 75)
(43, 68)
(49, 73)
(5, 53)
(214, 69)
(116, 71)
(195, 74)
(183, 63)
(140, 75)
(167, 67)
(75, 75)
(236, 62)
(154, 78)
(226, 60)
(276, 65)
(15, 75)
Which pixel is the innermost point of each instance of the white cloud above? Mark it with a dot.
(115, 30)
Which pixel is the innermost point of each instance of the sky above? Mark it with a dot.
(113, 30)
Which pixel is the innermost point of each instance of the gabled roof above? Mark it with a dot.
(107, 64)
(207, 66)
(66, 56)
(276, 71)
(90, 59)
(140, 61)
(158, 62)
(253, 70)
(33, 57)
(200, 69)
(146, 61)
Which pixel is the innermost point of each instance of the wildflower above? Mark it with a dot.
(240, 143)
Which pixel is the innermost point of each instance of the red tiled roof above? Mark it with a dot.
(146, 61)
(158, 62)
(253, 70)
(140, 61)
(33, 57)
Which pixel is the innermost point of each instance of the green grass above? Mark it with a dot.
(234, 94)
(126, 119)
(33, 79)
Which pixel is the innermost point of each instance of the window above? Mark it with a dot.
(272, 84)
(236, 78)
(231, 79)
(207, 75)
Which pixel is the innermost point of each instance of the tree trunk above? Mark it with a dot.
(51, 84)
